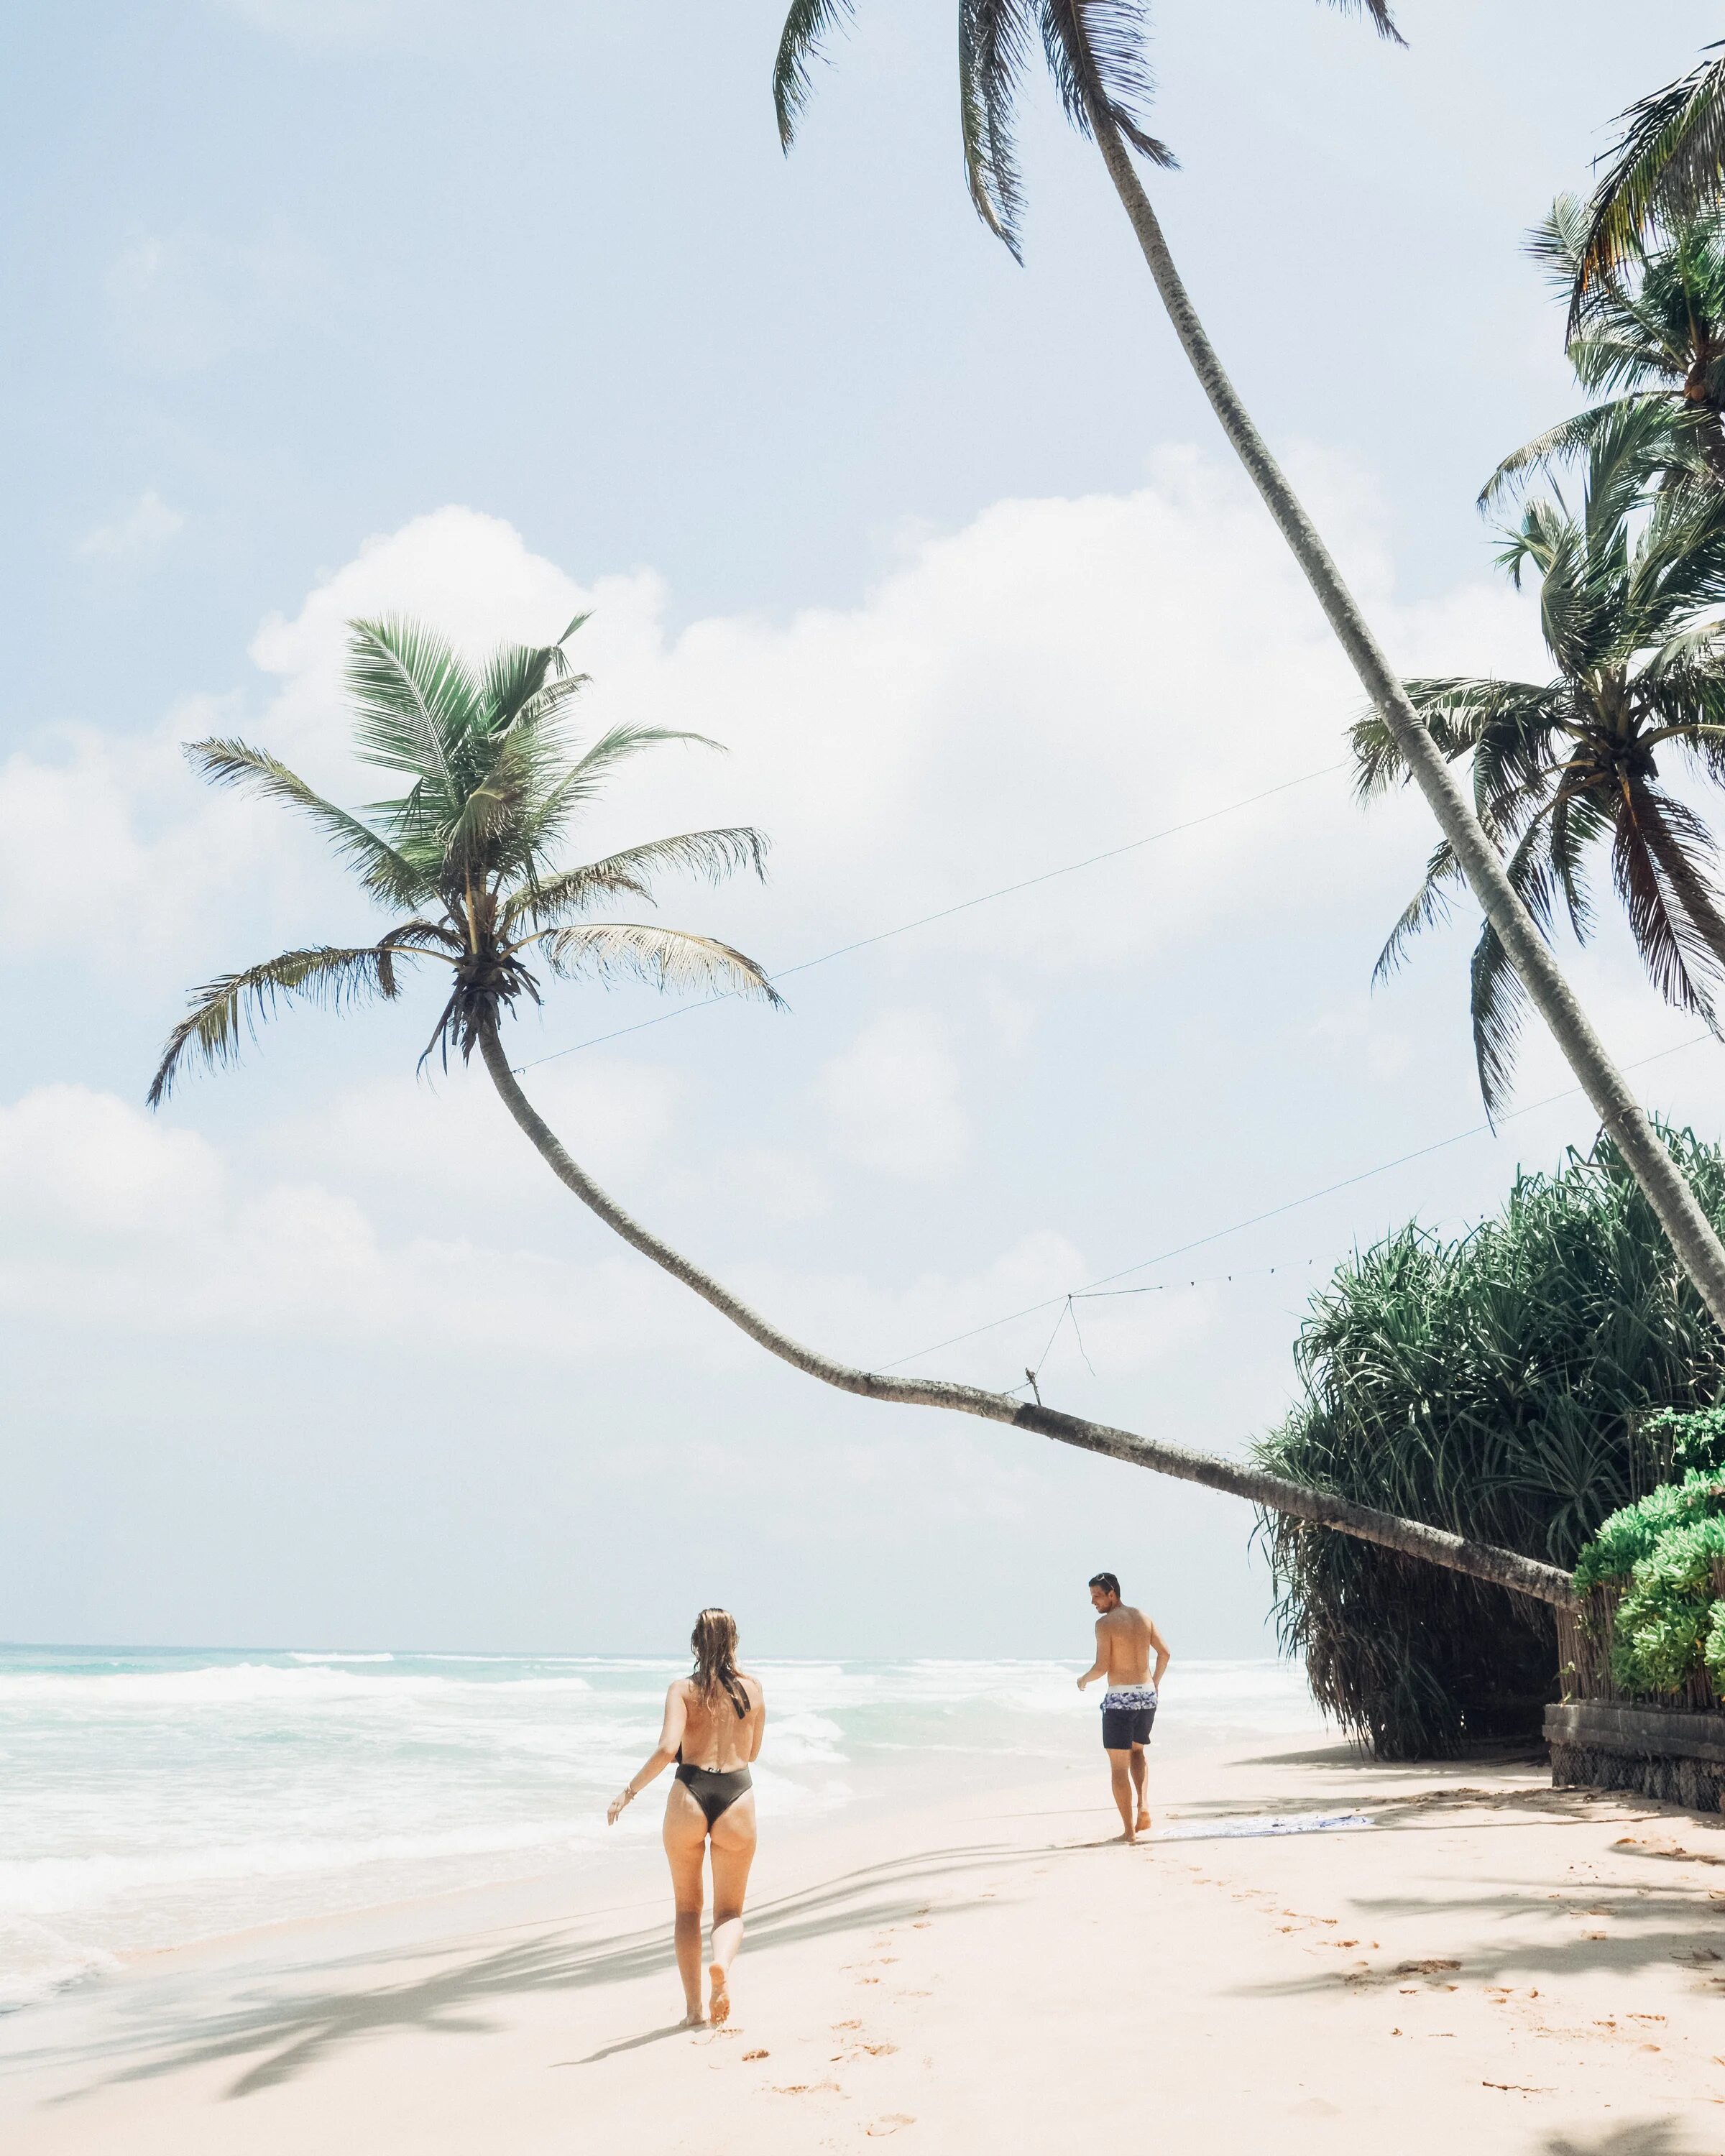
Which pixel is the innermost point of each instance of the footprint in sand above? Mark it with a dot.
(894, 2121)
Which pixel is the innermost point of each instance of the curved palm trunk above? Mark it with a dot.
(1500, 1568)
(1692, 1237)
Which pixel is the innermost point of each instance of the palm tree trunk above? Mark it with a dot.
(1500, 1568)
(1692, 1237)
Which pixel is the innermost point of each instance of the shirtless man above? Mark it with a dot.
(1126, 1640)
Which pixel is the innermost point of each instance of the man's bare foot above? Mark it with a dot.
(1144, 1825)
(694, 2019)
(719, 2007)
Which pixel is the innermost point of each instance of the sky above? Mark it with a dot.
(495, 313)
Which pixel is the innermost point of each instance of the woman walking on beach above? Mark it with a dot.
(713, 1721)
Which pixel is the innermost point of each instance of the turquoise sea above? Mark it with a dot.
(152, 1797)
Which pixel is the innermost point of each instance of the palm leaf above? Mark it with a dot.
(1430, 903)
(382, 869)
(807, 26)
(583, 778)
(665, 958)
(713, 855)
(1096, 53)
(994, 41)
(236, 1003)
(1660, 854)
(1669, 160)
(1497, 999)
(415, 702)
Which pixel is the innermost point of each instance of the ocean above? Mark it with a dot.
(149, 1798)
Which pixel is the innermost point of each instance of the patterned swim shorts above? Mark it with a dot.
(1127, 1713)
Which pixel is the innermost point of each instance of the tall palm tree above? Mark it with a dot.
(1095, 53)
(1668, 164)
(1567, 768)
(470, 854)
(1653, 334)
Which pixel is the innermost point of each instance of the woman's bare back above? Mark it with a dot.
(715, 1736)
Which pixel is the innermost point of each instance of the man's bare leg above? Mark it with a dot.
(1140, 1772)
(1120, 1773)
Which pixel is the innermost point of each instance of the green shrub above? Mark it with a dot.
(1713, 1652)
(1631, 1535)
(1498, 1384)
(1695, 1438)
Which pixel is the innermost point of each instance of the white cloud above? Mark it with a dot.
(118, 1220)
(143, 529)
(185, 300)
(893, 1098)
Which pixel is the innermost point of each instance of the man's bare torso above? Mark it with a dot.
(1124, 1639)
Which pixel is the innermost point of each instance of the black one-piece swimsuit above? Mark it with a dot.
(714, 1792)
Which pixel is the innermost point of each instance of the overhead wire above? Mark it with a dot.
(1273, 1212)
(944, 913)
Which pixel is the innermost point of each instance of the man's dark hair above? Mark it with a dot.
(1108, 1583)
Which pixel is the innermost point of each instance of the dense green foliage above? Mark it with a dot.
(1492, 1384)
(1665, 1554)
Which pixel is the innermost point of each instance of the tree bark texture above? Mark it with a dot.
(1502, 1568)
(1692, 1236)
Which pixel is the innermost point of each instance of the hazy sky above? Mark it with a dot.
(317, 307)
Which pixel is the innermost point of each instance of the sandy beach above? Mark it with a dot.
(1488, 1963)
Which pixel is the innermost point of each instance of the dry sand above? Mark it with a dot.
(1492, 1967)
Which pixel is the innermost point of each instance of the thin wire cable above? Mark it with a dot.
(1275, 1212)
(946, 913)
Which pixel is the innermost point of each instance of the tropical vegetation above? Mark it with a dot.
(1662, 1563)
(1668, 163)
(1568, 769)
(1095, 54)
(467, 860)
(1501, 1383)
(1651, 335)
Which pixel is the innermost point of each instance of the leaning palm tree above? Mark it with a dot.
(1095, 53)
(1653, 334)
(1668, 164)
(1567, 769)
(468, 863)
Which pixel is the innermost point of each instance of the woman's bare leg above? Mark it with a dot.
(734, 1847)
(685, 1848)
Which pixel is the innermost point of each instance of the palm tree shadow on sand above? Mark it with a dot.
(1647, 2137)
(296, 2033)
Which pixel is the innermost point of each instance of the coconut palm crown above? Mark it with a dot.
(1651, 333)
(468, 857)
(1630, 590)
(1668, 163)
(1093, 50)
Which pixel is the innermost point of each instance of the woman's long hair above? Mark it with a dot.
(714, 1643)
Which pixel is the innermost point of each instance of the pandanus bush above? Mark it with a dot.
(1501, 1383)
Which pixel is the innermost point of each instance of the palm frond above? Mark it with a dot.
(807, 26)
(583, 777)
(993, 43)
(1660, 858)
(1497, 999)
(712, 854)
(415, 702)
(665, 958)
(1669, 160)
(1430, 904)
(235, 1004)
(380, 869)
(1564, 444)
(1379, 14)
(1096, 53)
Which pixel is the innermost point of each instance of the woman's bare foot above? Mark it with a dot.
(694, 2019)
(719, 2007)
(1144, 1825)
